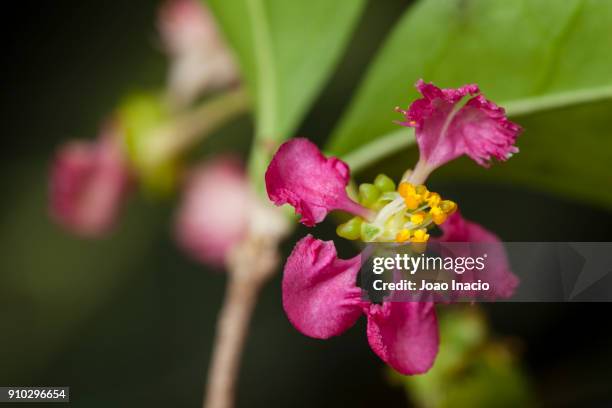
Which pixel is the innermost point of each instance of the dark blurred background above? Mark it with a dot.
(129, 320)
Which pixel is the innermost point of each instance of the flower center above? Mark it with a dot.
(402, 215)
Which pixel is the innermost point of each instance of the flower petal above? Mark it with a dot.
(446, 128)
(320, 293)
(404, 334)
(89, 183)
(313, 184)
(497, 267)
(213, 215)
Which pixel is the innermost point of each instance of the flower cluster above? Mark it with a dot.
(320, 292)
(90, 180)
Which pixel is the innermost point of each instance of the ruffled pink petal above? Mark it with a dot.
(497, 270)
(88, 185)
(447, 128)
(404, 335)
(213, 214)
(313, 184)
(320, 293)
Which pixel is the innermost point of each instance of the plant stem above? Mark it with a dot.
(362, 157)
(249, 267)
(229, 342)
(190, 127)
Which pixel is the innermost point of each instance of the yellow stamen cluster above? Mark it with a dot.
(402, 214)
(419, 198)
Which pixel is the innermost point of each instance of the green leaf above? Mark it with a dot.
(286, 50)
(369, 153)
(536, 58)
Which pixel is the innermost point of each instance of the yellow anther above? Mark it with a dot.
(417, 218)
(437, 215)
(420, 235)
(405, 189)
(403, 235)
(448, 206)
(422, 191)
(411, 197)
(412, 123)
(433, 200)
(413, 201)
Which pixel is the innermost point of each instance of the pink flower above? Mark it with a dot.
(200, 59)
(447, 126)
(89, 183)
(219, 210)
(313, 184)
(322, 299)
(214, 210)
(320, 293)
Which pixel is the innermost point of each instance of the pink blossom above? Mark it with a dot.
(447, 126)
(313, 184)
(322, 299)
(320, 293)
(89, 183)
(214, 211)
(200, 59)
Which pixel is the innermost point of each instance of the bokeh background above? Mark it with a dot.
(129, 320)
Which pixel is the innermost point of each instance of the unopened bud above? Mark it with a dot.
(89, 182)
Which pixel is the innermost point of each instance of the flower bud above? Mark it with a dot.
(384, 183)
(143, 116)
(368, 194)
(350, 229)
(200, 59)
(213, 214)
(89, 183)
